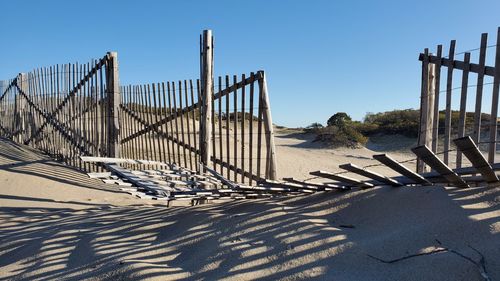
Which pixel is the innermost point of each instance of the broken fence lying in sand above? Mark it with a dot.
(171, 182)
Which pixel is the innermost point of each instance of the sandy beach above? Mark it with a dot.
(57, 224)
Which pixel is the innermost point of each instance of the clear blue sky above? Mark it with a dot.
(320, 56)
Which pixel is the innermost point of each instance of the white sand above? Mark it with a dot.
(55, 224)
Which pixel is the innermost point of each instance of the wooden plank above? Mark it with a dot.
(369, 174)
(139, 143)
(137, 181)
(259, 129)
(394, 165)
(449, 86)
(158, 136)
(242, 130)
(439, 166)
(425, 126)
(193, 119)
(224, 180)
(467, 146)
(220, 129)
(176, 123)
(235, 125)
(463, 103)
(319, 186)
(228, 150)
(146, 141)
(122, 160)
(479, 89)
(183, 139)
(437, 90)
(151, 112)
(294, 187)
(343, 179)
(250, 126)
(127, 149)
(171, 124)
(213, 121)
(494, 104)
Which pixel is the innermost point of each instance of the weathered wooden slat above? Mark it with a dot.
(295, 187)
(369, 174)
(343, 179)
(250, 125)
(242, 130)
(467, 146)
(319, 186)
(463, 104)
(137, 181)
(494, 104)
(228, 148)
(155, 112)
(183, 138)
(122, 160)
(394, 165)
(426, 102)
(479, 88)
(221, 178)
(424, 153)
(449, 89)
(221, 168)
(235, 125)
(437, 90)
(193, 119)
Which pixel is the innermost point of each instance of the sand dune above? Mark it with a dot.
(56, 224)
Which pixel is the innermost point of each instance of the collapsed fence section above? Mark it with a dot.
(163, 122)
(439, 126)
(65, 110)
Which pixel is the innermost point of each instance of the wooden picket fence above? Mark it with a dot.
(161, 122)
(64, 110)
(482, 128)
(74, 110)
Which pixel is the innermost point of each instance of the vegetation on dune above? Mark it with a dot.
(341, 130)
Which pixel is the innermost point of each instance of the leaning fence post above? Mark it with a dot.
(207, 67)
(426, 106)
(268, 127)
(113, 97)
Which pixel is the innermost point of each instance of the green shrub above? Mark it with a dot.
(341, 137)
(404, 122)
(314, 128)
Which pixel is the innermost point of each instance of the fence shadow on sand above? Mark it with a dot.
(326, 236)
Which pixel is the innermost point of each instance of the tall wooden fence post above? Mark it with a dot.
(113, 98)
(269, 130)
(207, 68)
(426, 107)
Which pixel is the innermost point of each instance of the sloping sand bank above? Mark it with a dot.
(57, 224)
